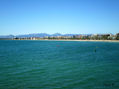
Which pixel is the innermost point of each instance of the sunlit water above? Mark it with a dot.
(59, 65)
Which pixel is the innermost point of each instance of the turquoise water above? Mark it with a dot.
(59, 65)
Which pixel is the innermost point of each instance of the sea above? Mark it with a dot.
(35, 64)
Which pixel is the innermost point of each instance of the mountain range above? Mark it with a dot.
(38, 35)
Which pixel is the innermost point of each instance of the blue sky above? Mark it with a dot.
(62, 16)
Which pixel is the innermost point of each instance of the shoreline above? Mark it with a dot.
(88, 40)
(72, 40)
(66, 40)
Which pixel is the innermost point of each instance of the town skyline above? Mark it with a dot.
(58, 36)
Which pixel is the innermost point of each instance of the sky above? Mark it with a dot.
(59, 16)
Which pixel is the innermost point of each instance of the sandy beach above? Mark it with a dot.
(79, 40)
(70, 40)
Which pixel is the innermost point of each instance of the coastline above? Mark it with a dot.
(72, 40)
(84, 40)
(66, 40)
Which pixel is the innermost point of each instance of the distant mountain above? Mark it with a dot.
(56, 34)
(33, 35)
(70, 34)
(7, 36)
(38, 35)
(44, 35)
